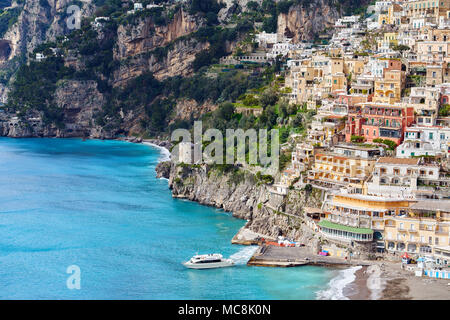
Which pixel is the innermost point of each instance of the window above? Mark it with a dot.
(430, 136)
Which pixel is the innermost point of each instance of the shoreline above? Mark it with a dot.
(354, 282)
(387, 281)
(164, 151)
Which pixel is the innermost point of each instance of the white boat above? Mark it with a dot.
(208, 261)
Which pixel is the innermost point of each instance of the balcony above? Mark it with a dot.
(425, 228)
(442, 232)
(383, 124)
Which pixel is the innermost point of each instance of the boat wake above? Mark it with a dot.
(337, 285)
(243, 255)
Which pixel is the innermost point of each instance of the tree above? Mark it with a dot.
(268, 97)
(226, 111)
(252, 5)
(400, 48)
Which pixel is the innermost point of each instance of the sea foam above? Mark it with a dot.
(164, 153)
(337, 285)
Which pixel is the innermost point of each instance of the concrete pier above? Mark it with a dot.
(273, 256)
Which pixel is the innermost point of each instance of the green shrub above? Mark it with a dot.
(357, 138)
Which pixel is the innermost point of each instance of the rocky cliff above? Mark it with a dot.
(166, 44)
(303, 23)
(268, 213)
(78, 102)
(145, 46)
(41, 21)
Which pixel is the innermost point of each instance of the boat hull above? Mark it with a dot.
(212, 265)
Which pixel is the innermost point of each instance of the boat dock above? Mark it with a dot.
(273, 256)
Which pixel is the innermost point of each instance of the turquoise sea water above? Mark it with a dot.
(98, 205)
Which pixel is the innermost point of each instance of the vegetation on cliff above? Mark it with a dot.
(34, 89)
(7, 18)
(88, 54)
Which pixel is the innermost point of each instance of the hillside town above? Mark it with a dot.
(378, 146)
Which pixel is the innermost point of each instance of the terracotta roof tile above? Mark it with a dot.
(389, 160)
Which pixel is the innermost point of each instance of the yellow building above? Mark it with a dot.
(337, 82)
(363, 212)
(421, 230)
(345, 165)
(435, 75)
(389, 89)
(354, 67)
(431, 8)
(389, 16)
(383, 19)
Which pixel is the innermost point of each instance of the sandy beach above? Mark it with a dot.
(358, 290)
(387, 281)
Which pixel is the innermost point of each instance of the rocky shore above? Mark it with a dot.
(268, 213)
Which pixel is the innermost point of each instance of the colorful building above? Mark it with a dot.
(345, 165)
(378, 120)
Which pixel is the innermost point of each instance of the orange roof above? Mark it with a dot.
(390, 160)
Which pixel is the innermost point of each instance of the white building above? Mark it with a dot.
(280, 49)
(39, 57)
(267, 39)
(376, 66)
(424, 141)
(382, 6)
(399, 178)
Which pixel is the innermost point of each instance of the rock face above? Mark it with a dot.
(41, 21)
(163, 170)
(141, 46)
(38, 22)
(303, 23)
(147, 47)
(145, 36)
(186, 109)
(176, 62)
(241, 194)
(79, 101)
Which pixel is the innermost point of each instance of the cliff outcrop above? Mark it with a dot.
(268, 213)
(303, 23)
(77, 102)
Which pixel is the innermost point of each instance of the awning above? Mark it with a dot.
(335, 226)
